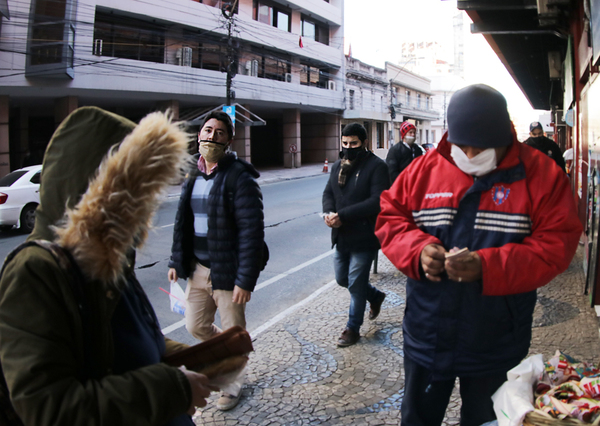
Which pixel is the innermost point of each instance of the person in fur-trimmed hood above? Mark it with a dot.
(101, 180)
(218, 236)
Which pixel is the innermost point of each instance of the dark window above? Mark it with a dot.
(315, 31)
(48, 29)
(36, 178)
(212, 57)
(11, 178)
(220, 4)
(313, 76)
(129, 38)
(351, 99)
(379, 135)
(271, 15)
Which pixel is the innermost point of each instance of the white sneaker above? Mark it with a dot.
(227, 402)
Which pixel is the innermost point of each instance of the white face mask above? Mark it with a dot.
(409, 139)
(480, 165)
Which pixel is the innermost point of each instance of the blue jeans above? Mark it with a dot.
(352, 271)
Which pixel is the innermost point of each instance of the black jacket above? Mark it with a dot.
(235, 230)
(548, 147)
(357, 203)
(400, 156)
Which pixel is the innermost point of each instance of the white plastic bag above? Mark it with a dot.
(514, 399)
(177, 298)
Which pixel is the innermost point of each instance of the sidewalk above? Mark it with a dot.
(298, 376)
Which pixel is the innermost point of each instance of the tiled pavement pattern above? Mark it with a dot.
(298, 376)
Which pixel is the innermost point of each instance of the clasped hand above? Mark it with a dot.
(464, 269)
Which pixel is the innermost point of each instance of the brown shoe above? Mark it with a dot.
(376, 306)
(348, 338)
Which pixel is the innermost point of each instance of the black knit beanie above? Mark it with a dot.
(478, 116)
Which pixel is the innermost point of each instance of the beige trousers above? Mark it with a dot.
(202, 304)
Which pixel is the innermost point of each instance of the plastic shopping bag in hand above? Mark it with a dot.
(177, 298)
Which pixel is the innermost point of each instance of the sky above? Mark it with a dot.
(376, 33)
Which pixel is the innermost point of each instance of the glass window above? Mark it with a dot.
(271, 15)
(36, 178)
(308, 30)
(11, 178)
(283, 21)
(351, 99)
(129, 38)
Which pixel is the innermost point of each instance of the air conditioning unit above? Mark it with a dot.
(288, 77)
(97, 49)
(254, 68)
(331, 85)
(184, 55)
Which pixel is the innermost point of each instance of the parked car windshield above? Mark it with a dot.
(11, 178)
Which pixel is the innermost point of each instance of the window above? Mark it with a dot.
(220, 4)
(129, 38)
(266, 65)
(408, 98)
(426, 136)
(418, 100)
(314, 31)
(51, 38)
(271, 15)
(351, 99)
(427, 103)
(379, 135)
(313, 76)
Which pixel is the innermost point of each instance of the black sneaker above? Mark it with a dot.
(376, 306)
(348, 338)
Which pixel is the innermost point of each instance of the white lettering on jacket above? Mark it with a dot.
(439, 195)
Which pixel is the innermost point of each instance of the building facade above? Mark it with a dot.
(284, 62)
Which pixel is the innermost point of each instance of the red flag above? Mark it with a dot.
(300, 42)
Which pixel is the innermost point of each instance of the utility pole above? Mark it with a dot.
(227, 11)
(392, 113)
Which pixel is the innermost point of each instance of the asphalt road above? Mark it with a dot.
(299, 246)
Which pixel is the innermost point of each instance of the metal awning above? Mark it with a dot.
(523, 39)
(196, 118)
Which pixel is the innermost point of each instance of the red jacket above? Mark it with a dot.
(521, 220)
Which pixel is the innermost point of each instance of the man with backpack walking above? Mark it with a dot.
(218, 237)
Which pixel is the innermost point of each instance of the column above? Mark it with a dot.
(241, 140)
(172, 105)
(63, 107)
(4, 143)
(291, 136)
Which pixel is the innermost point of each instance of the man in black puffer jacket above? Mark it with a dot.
(351, 206)
(218, 237)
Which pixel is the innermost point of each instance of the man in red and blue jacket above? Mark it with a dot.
(471, 316)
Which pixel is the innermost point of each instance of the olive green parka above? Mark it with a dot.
(105, 199)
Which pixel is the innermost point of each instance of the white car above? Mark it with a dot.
(19, 197)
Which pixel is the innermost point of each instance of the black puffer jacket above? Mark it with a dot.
(235, 232)
(400, 156)
(357, 203)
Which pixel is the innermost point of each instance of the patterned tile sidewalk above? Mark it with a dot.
(298, 376)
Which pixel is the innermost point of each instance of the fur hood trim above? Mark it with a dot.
(116, 211)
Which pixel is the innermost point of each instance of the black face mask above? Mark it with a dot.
(350, 153)
(538, 139)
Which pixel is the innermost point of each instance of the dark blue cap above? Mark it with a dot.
(478, 116)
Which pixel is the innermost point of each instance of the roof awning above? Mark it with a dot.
(512, 29)
(242, 115)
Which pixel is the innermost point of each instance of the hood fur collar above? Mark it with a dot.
(116, 211)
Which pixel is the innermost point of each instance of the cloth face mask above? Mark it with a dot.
(212, 151)
(480, 165)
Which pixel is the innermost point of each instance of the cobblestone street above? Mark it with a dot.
(298, 376)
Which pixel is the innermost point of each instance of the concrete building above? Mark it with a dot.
(132, 57)
(372, 93)
(367, 102)
(412, 100)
